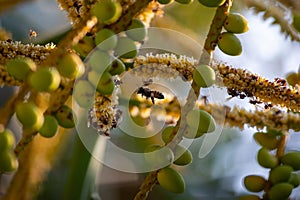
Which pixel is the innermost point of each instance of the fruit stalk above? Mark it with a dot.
(191, 99)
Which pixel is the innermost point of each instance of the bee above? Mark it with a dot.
(150, 94)
(32, 33)
(254, 102)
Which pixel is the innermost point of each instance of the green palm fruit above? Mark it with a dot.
(20, 67)
(212, 3)
(7, 140)
(249, 197)
(280, 191)
(296, 21)
(183, 156)
(105, 85)
(294, 179)
(171, 180)
(117, 67)
(126, 48)
(71, 66)
(229, 44)
(50, 126)
(165, 1)
(84, 46)
(265, 159)
(204, 76)
(280, 174)
(100, 61)
(29, 115)
(8, 161)
(158, 156)
(292, 159)
(106, 39)
(84, 93)
(236, 23)
(293, 78)
(65, 117)
(107, 11)
(137, 30)
(166, 134)
(45, 79)
(201, 121)
(266, 140)
(184, 1)
(254, 183)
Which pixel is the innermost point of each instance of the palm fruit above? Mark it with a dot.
(106, 39)
(292, 159)
(20, 67)
(212, 3)
(184, 1)
(204, 76)
(254, 183)
(280, 191)
(137, 30)
(183, 156)
(8, 161)
(104, 83)
(158, 156)
(166, 134)
(294, 179)
(249, 197)
(201, 121)
(293, 78)
(296, 21)
(117, 67)
(7, 140)
(45, 79)
(229, 44)
(107, 11)
(126, 48)
(265, 159)
(71, 66)
(266, 140)
(236, 23)
(65, 117)
(50, 126)
(165, 1)
(29, 115)
(171, 180)
(100, 61)
(84, 46)
(280, 174)
(84, 93)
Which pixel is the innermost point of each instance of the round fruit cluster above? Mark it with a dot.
(8, 159)
(32, 118)
(282, 179)
(110, 57)
(228, 42)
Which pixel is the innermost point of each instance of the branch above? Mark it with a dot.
(221, 13)
(278, 12)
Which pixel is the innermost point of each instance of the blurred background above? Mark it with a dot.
(219, 175)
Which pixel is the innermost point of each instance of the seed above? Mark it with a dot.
(292, 159)
(183, 156)
(65, 117)
(7, 140)
(106, 39)
(107, 11)
(236, 23)
(265, 159)
(280, 191)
